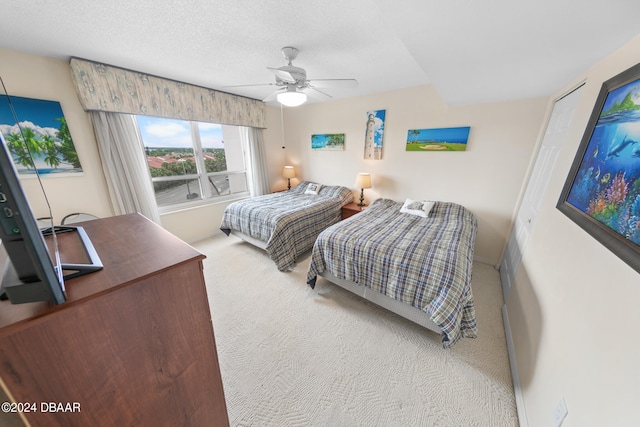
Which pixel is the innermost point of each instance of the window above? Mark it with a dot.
(192, 161)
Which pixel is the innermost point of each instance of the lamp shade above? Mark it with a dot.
(363, 180)
(288, 172)
(291, 98)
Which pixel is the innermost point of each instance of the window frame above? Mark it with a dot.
(208, 194)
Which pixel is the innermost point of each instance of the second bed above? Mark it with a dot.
(415, 263)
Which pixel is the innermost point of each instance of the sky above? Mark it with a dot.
(458, 134)
(40, 112)
(36, 114)
(161, 132)
(7, 129)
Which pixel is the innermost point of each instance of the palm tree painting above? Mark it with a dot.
(328, 142)
(37, 136)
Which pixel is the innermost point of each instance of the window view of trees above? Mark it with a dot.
(189, 161)
(165, 162)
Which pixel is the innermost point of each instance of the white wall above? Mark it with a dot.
(275, 148)
(573, 308)
(38, 77)
(486, 178)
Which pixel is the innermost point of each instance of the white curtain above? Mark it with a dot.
(124, 164)
(257, 171)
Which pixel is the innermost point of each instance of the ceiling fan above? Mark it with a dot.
(293, 85)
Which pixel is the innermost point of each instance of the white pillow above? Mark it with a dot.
(312, 188)
(419, 208)
(427, 206)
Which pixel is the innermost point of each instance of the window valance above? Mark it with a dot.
(106, 88)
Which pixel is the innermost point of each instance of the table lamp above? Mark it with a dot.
(363, 180)
(288, 172)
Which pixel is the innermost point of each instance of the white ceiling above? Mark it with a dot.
(471, 51)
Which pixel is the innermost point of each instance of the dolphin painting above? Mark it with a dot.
(616, 149)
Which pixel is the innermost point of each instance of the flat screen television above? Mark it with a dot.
(30, 272)
(33, 270)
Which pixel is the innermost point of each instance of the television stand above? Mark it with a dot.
(85, 260)
(84, 246)
(132, 345)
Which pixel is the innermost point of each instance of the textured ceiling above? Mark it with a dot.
(471, 51)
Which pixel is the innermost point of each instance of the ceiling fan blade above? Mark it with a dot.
(334, 82)
(272, 97)
(313, 92)
(285, 76)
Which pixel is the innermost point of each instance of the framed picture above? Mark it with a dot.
(328, 142)
(374, 134)
(602, 191)
(42, 129)
(443, 139)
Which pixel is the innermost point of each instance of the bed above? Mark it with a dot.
(414, 259)
(286, 224)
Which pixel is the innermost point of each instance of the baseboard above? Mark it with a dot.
(522, 414)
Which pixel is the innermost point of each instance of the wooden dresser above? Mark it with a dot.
(132, 346)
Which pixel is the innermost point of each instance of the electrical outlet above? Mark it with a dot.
(560, 412)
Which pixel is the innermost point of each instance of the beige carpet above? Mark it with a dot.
(293, 356)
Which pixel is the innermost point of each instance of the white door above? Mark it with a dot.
(554, 137)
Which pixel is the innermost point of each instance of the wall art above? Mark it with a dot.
(374, 134)
(439, 139)
(602, 191)
(328, 142)
(42, 129)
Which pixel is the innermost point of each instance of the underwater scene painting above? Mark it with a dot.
(606, 186)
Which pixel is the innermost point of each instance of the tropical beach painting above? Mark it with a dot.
(41, 139)
(604, 183)
(440, 139)
(328, 142)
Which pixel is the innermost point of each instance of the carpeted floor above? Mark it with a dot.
(293, 356)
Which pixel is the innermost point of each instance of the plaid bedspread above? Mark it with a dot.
(289, 221)
(425, 262)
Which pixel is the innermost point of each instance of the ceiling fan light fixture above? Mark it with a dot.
(291, 98)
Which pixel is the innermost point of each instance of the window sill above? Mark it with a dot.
(165, 210)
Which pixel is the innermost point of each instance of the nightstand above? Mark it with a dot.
(351, 209)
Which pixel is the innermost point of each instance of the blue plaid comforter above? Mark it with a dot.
(425, 262)
(289, 221)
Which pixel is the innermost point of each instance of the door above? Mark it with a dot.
(554, 138)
